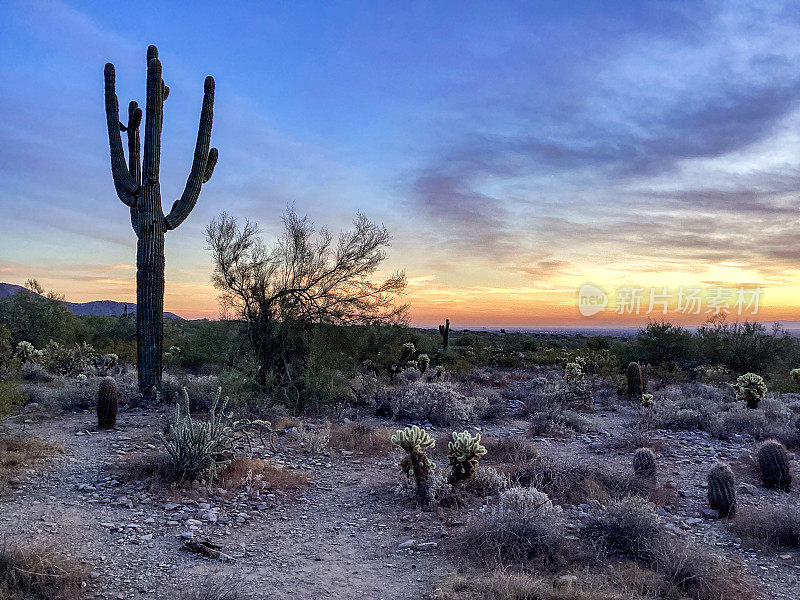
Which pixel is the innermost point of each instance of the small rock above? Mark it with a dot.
(424, 546)
(567, 579)
(407, 544)
(710, 513)
(187, 535)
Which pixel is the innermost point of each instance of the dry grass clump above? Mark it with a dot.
(516, 537)
(17, 453)
(510, 449)
(361, 438)
(567, 480)
(625, 529)
(157, 470)
(39, 574)
(214, 588)
(263, 474)
(503, 585)
(775, 526)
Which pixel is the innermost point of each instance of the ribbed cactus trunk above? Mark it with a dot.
(137, 185)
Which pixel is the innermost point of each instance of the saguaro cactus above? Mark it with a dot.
(137, 185)
(444, 331)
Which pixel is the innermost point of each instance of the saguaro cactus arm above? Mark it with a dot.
(153, 119)
(134, 153)
(205, 160)
(126, 187)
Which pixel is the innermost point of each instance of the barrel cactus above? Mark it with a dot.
(750, 388)
(635, 382)
(773, 462)
(722, 490)
(415, 464)
(464, 452)
(107, 403)
(644, 463)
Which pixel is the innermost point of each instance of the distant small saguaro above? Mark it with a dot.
(137, 185)
(444, 331)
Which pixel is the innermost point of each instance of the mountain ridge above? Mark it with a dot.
(100, 308)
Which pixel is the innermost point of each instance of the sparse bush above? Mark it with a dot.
(39, 574)
(361, 438)
(523, 500)
(63, 394)
(17, 453)
(488, 482)
(312, 438)
(510, 449)
(65, 360)
(438, 402)
(777, 526)
(625, 529)
(504, 538)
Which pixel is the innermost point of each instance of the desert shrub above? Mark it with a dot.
(500, 538)
(202, 448)
(17, 453)
(770, 525)
(361, 438)
(256, 476)
(11, 395)
(39, 574)
(625, 528)
(313, 438)
(63, 394)
(67, 360)
(214, 588)
(487, 482)
(567, 480)
(510, 449)
(35, 373)
(437, 402)
(523, 500)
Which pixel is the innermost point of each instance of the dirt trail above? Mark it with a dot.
(338, 539)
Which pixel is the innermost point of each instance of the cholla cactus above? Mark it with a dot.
(750, 388)
(795, 373)
(204, 447)
(576, 379)
(464, 452)
(647, 400)
(524, 500)
(408, 351)
(27, 353)
(82, 379)
(573, 370)
(412, 364)
(423, 362)
(416, 465)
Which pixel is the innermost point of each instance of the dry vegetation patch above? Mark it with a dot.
(39, 574)
(16, 453)
(263, 474)
(769, 526)
(361, 438)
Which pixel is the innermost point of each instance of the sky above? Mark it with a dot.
(516, 151)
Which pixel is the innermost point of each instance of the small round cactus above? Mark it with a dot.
(722, 490)
(635, 382)
(750, 388)
(107, 403)
(773, 462)
(644, 463)
(464, 452)
(795, 374)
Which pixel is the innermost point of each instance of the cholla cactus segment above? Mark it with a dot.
(523, 500)
(750, 388)
(795, 373)
(423, 362)
(27, 353)
(82, 379)
(647, 400)
(204, 447)
(413, 439)
(412, 364)
(464, 452)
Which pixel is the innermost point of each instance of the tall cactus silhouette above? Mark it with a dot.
(137, 185)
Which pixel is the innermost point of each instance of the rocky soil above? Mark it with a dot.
(349, 534)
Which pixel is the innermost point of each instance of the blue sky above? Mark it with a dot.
(515, 150)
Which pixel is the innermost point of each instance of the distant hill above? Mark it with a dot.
(100, 308)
